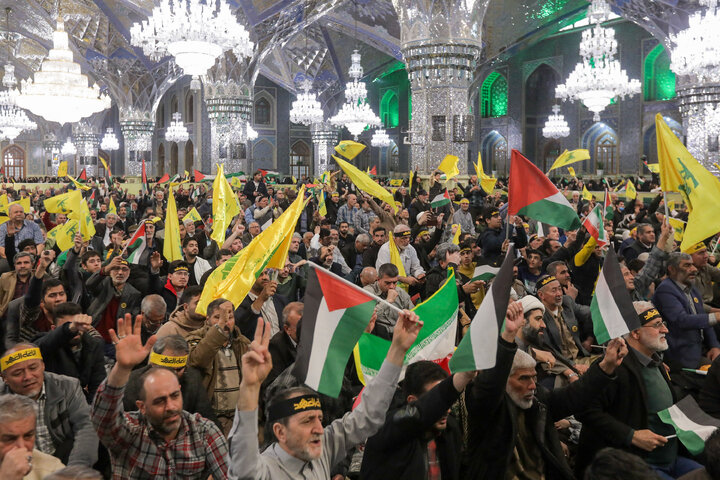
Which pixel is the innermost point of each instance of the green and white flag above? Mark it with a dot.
(485, 273)
(692, 424)
(435, 342)
(594, 223)
(478, 348)
(335, 316)
(440, 199)
(613, 314)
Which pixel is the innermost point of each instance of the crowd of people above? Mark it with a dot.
(110, 371)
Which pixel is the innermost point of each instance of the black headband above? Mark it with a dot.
(288, 407)
(649, 315)
(544, 281)
(406, 233)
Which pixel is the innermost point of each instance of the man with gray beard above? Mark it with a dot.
(624, 414)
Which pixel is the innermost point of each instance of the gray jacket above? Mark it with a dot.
(102, 289)
(67, 416)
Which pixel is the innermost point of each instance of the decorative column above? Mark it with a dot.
(324, 137)
(87, 142)
(137, 127)
(51, 148)
(441, 42)
(229, 108)
(700, 110)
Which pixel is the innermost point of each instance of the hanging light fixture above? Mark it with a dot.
(177, 132)
(109, 141)
(60, 92)
(13, 120)
(380, 138)
(306, 110)
(68, 148)
(696, 49)
(556, 126)
(598, 77)
(251, 134)
(194, 33)
(355, 114)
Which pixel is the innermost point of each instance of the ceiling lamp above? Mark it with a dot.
(13, 120)
(194, 33)
(598, 78)
(355, 114)
(306, 110)
(251, 134)
(68, 148)
(380, 138)
(556, 126)
(697, 48)
(109, 141)
(60, 92)
(177, 132)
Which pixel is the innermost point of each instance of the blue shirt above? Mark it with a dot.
(28, 230)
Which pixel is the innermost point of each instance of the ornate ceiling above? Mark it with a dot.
(294, 38)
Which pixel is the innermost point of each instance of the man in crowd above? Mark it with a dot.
(705, 280)
(348, 212)
(15, 284)
(379, 237)
(463, 217)
(197, 266)
(19, 228)
(283, 345)
(184, 319)
(386, 287)
(177, 280)
(643, 243)
(414, 272)
(492, 239)
(261, 301)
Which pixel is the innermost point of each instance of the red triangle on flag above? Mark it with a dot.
(164, 178)
(526, 184)
(198, 175)
(338, 294)
(262, 172)
(83, 175)
(373, 170)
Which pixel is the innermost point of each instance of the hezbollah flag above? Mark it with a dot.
(64, 234)
(335, 316)
(487, 182)
(478, 348)
(678, 228)
(395, 258)
(653, 167)
(349, 149)
(571, 171)
(365, 183)
(193, 215)
(613, 314)
(112, 208)
(85, 222)
(630, 192)
(225, 206)
(594, 223)
(449, 166)
(172, 246)
(531, 193)
(64, 203)
(700, 189)
(567, 158)
(435, 342)
(692, 424)
(586, 194)
(62, 169)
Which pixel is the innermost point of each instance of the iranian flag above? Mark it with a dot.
(692, 424)
(136, 245)
(441, 200)
(435, 342)
(594, 223)
(531, 193)
(336, 314)
(478, 348)
(613, 314)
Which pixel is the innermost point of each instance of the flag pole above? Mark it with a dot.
(355, 287)
(667, 209)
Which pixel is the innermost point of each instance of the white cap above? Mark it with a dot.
(530, 302)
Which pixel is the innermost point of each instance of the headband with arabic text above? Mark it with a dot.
(20, 356)
(167, 360)
(291, 406)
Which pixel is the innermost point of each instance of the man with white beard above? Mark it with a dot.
(625, 416)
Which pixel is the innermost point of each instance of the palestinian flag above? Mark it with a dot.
(145, 186)
(336, 314)
(164, 178)
(484, 273)
(478, 348)
(594, 223)
(136, 245)
(607, 206)
(373, 170)
(441, 200)
(83, 175)
(531, 193)
(692, 424)
(198, 176)
(613, 314)
(435, 342)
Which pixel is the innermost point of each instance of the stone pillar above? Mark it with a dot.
(137, 127)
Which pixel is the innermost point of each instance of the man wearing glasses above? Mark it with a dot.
(625, 416)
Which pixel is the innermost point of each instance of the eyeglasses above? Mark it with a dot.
(657, 326)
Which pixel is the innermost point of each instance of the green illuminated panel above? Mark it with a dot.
(493, 96)
(659, 80)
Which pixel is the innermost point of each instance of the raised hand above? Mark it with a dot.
(406, 331)
(129, 349)
(614, 353)
(257, 362)
(156, 261)
(514, 320)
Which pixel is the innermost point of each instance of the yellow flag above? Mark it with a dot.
(78, 184)
(449, 166)
(187, 174)
(365, 183)
(63, 203)
(234, 278)
(395, 257)
(322, 206)
(106, 167)
(572, 171)
(24, 202)
(172, 246)
(586, 194)
(193, 215)
(236, 182)
(64, 234)
(112, 208)
(568, 157)
(294, 180)
(84, 221)
(225, 206)
(412, 177)
(456, 237)
(62, 169)
(630, 191)
(653, 167)
(716, 165)
(678, 228)
(700, 189)
(4, 203)
(487, 182)
(3, 219)
(349, 149)
(396, 182)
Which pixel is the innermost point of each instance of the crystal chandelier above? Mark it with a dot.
(380, 138)
(13, 121)
(60, 92)
(109, 141)
(355, 114)
(251, 134)
(556, 126)
(697, 48)
(177, 132)
(194, 33)
(68, 148)
(598, 78)
(306, 110)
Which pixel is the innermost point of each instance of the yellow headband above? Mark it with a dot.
(421, 233)
(20, 356)
(694, 248)
(167, 360)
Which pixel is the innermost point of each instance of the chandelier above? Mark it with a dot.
(355, 114)
(68, 148)
(697, 48)
(109, 141)
(60, 92)
(306, 110)
(598, 78)
(556, 126)
(13, 121)
(194, 33)
(177, 132)
(250, 134)
(380, 138)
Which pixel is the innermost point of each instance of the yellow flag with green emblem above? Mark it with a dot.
(63, 203)
(586, 194)
(62, 169)
(487, 182)
(193, 215)
(77, 184)
(700, 189)
(64, 234)
(571, 170)
(449, 166)
(458, 232)
(84, 221)
(349, 149)
(365, 183)
(570, 157)
(678, 228)
(172, 245)
(225, 206)
(112, 208)
(630, 191)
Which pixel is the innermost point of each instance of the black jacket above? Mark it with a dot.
(399, 449)
(491, 240)
(283, 354)
(250, 189)
(578, 321)
(246, 319)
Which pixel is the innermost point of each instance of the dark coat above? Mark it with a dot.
(158, 285)
(283, 354)
(249, 189)
(246, 319)
(578, 320)
(491, 240)
(101, 288)
(399, 449)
